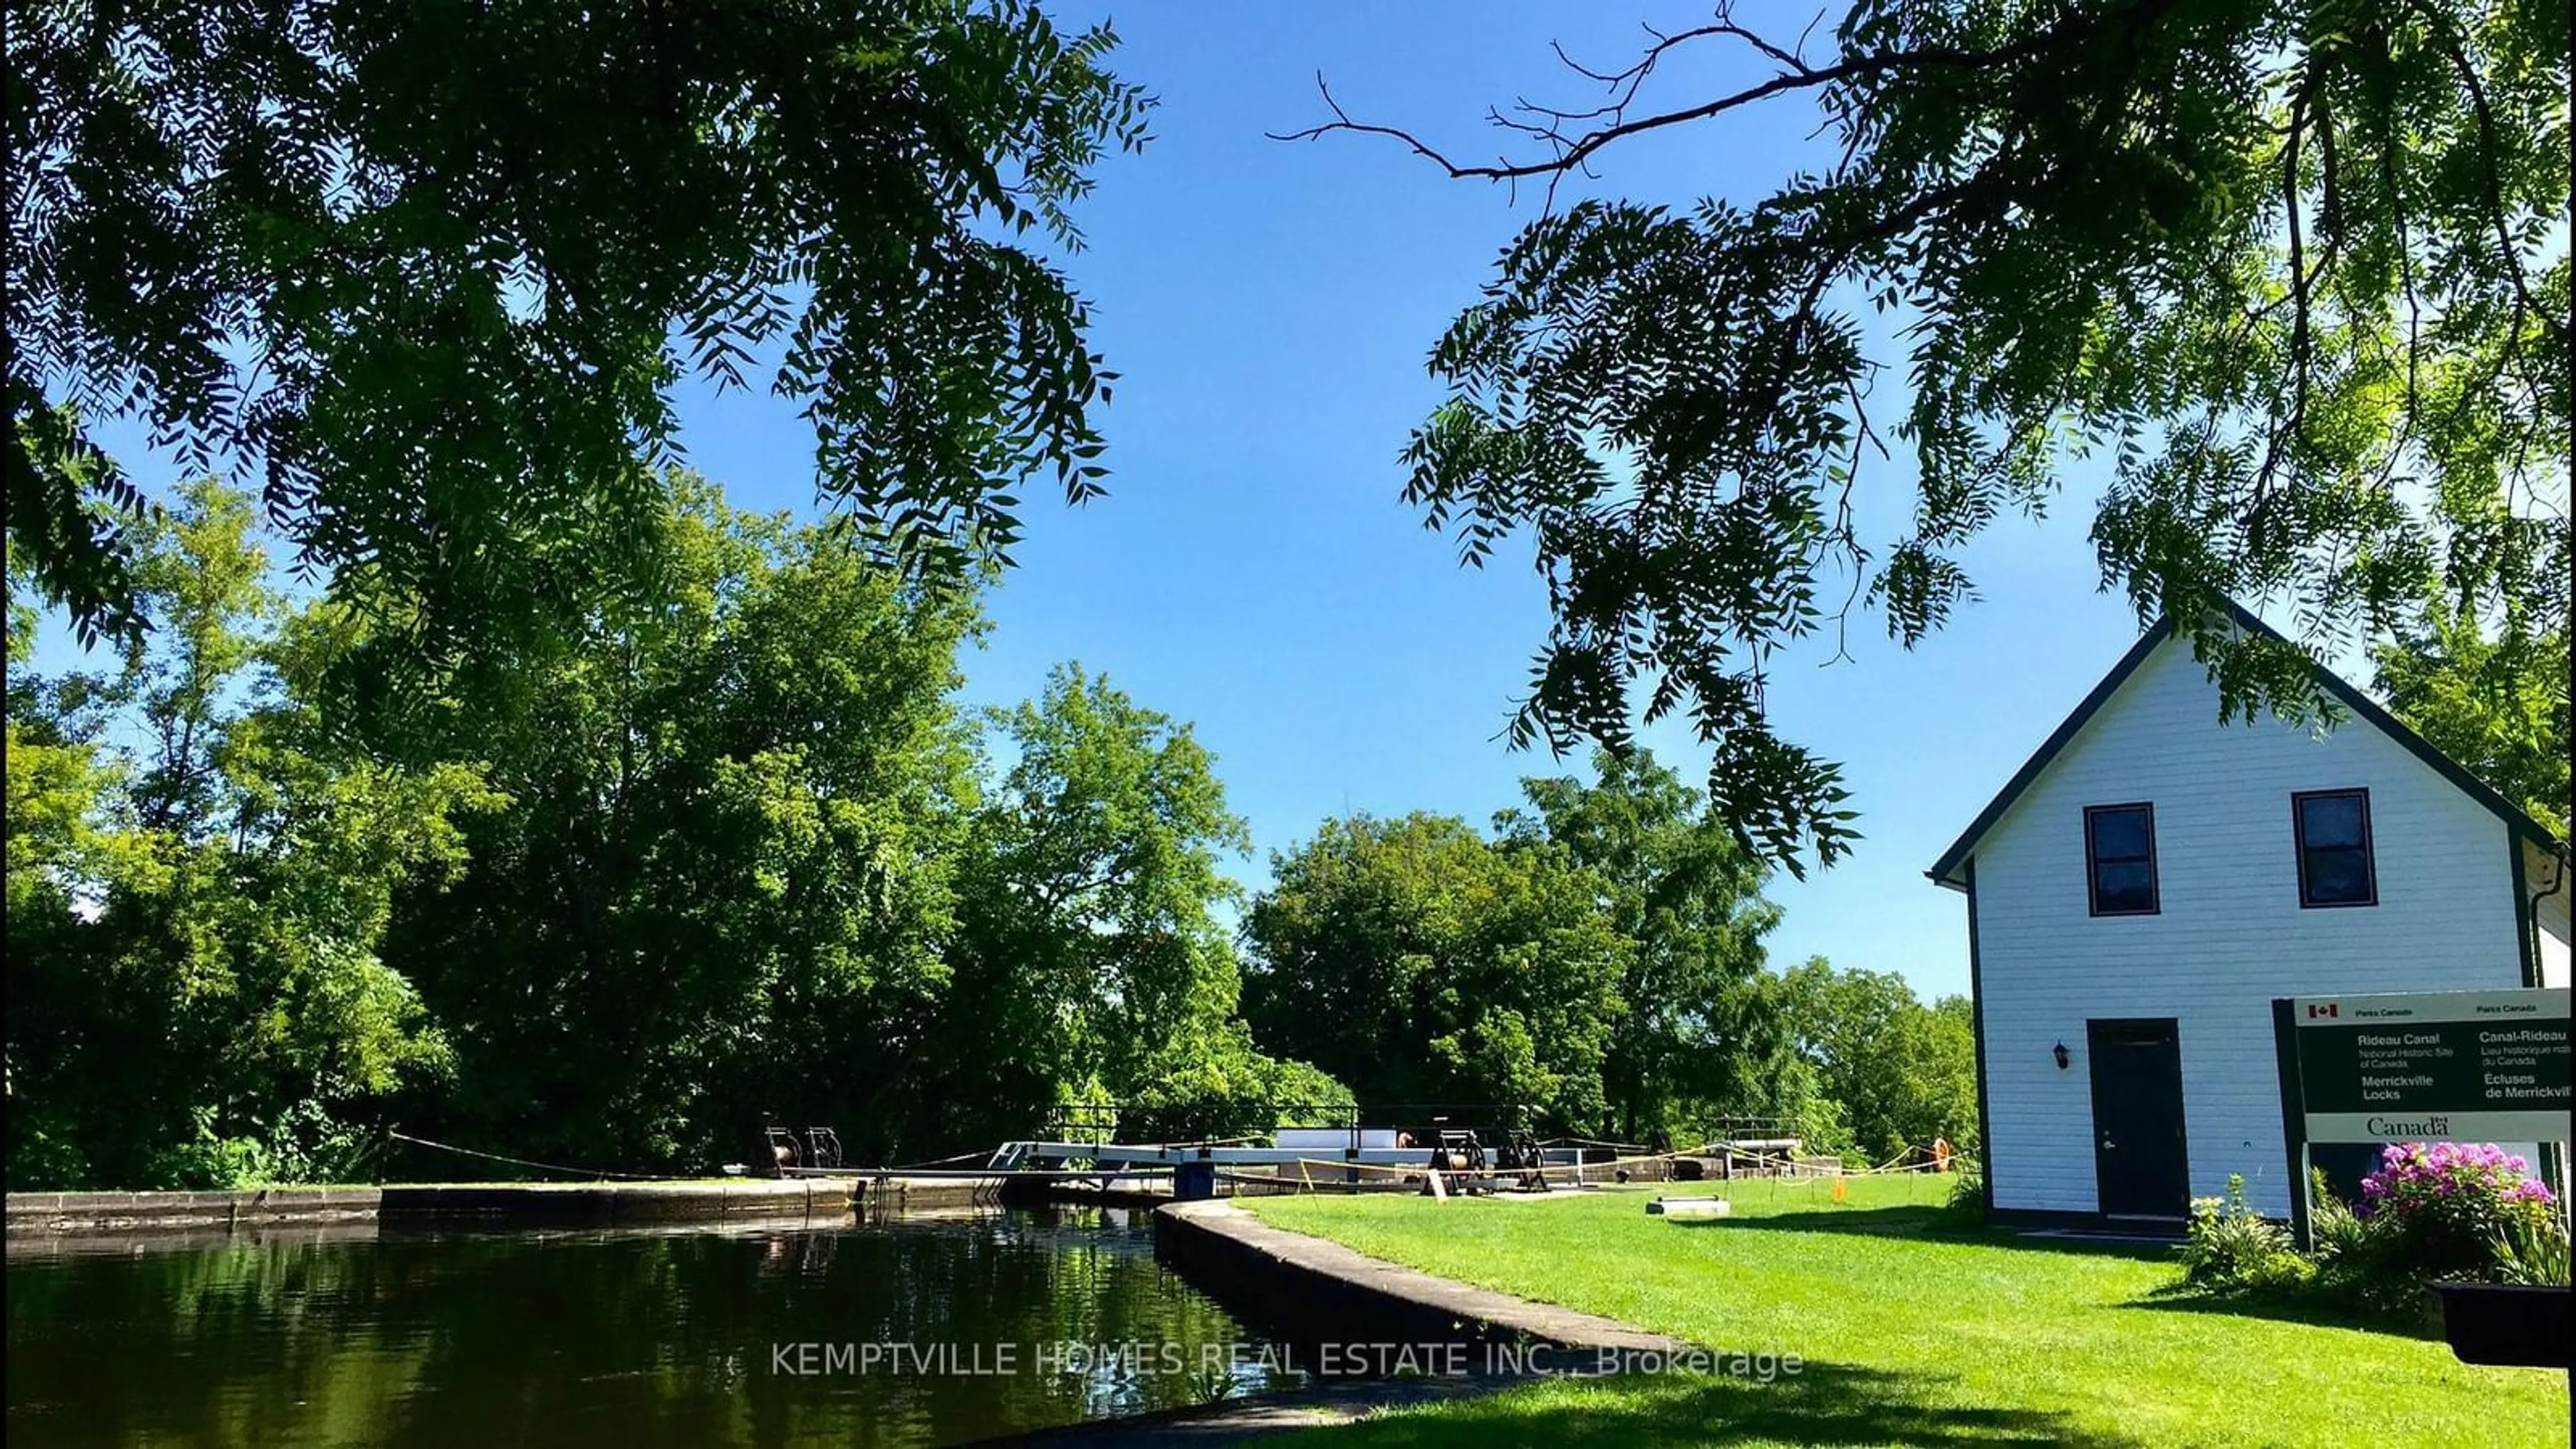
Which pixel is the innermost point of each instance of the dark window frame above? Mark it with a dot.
(2093, 863)
(2369, 846)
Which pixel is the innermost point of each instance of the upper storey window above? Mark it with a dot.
(2120, 858)
(2335, 868)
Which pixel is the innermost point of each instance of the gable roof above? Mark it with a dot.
(1945, 871)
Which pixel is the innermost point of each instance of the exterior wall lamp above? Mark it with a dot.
(2059, 1051)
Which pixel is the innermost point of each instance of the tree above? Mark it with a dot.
(722, 887)
(2498, 706)
(61, 845)
(196, 994)
(1415, 962)
(2292, 276)
(727, 853)
(1925, 1065)
(431, 272)
(1698, 1036)
(1901, 1072)
(1090, 966)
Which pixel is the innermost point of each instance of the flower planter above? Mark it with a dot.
(2497, 1323)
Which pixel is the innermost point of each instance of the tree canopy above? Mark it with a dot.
(1696, 1035)
(1901, 1073)
(1417, 963)
(2496, 702)
(1597, 962)
(727, 855)
(1090, 966)
(735, 853)
(199, 884)
(428, 274)
(2290, 279)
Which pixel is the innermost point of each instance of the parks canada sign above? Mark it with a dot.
(2458, 1066)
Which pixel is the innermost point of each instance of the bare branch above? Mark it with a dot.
(1572, 150)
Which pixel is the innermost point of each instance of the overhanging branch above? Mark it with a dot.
(1572, 148)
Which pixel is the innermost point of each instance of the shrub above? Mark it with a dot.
(2232, 1247)
(2357, 1271)
(2431, 1212)
(42, 1155)
(2438, 1211)
(2532, 1252)
(1967, 1204)
(2338, 1232)
(212, 1161)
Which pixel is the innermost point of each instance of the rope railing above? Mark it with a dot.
(950, 1160)
(591, 1172)
(1586, 1172)
(1325, 1174)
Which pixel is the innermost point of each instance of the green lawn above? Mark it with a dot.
(1910, 1334)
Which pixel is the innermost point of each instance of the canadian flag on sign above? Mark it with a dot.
(2322, 1008)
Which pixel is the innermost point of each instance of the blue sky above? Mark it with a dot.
(1253, 569)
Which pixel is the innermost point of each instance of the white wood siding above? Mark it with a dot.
(2230, 935)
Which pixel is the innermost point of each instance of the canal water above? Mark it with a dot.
(1007, 1322)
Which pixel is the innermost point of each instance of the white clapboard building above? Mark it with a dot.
(2141, 890)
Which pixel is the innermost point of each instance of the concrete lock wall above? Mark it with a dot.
(496, 1203)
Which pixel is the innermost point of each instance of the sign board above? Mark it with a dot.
(2435, 1066)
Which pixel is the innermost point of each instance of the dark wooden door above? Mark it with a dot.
(2139, 1156)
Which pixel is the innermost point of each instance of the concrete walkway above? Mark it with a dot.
(1346, 1297)
(1340, 1302)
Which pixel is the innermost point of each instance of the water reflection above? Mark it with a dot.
(631, 1339)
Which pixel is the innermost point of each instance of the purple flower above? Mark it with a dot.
(2472, 1178)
